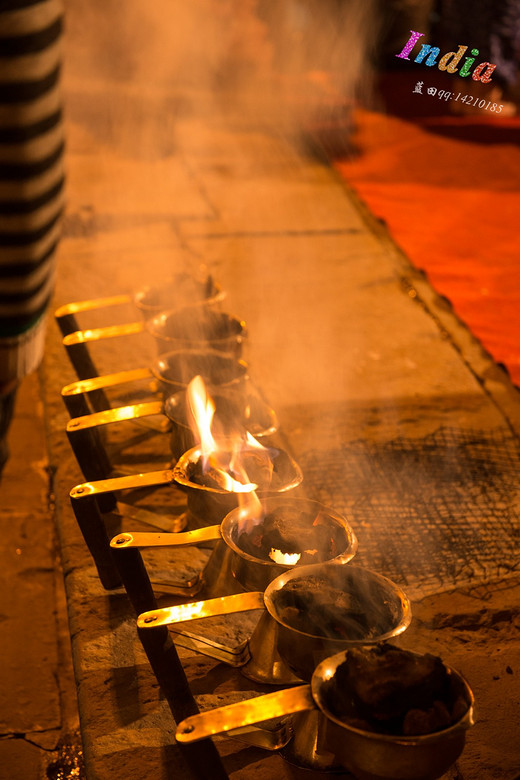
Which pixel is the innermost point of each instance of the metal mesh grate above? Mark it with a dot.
(429, 513)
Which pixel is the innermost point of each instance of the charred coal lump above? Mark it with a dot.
(315, 537)
(261, 468)
(338, 606)
(388, 690)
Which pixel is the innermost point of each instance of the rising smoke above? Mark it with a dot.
(274, 62)
(137, 73)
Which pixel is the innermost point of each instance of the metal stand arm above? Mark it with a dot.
(90, 499)
(92, 527)
(166, 665)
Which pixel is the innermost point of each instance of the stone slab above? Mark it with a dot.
(29, 691)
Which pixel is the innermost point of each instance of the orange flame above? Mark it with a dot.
(227, 482)
(226, 466)
(250, 512)
(200, 410)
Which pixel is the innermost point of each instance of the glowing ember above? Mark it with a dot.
(286, 559)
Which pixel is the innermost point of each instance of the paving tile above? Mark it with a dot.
(29, 693)
(19, 760)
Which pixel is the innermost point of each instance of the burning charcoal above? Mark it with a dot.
(389, 682)
(254, 467)
(212, 478)
(313, 605)
(258, 466)
(290, 531)
(393, 691)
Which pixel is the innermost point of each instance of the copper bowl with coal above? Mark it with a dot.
(366, 701)
(175, 370)
(178, 291)
(202, 328)
(348, 606)
(322, 609)
(213, 492)
(392, 714)
(284, 533)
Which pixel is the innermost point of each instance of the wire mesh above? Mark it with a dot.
(430, 513)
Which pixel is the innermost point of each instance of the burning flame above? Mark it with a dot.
(250, 512)
(201, 408)
(287, 559)
(228, 465)
(230, 484)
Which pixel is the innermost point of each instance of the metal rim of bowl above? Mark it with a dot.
(194, 454)
(229, 522)
(302, 571)
(325, 671)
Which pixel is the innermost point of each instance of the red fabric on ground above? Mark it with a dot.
(448, 189)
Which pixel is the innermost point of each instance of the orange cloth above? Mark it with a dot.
(448, 189)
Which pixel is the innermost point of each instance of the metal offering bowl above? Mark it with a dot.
(303, 645)
(255, 573)
(232, 570)
(279, 653)
(175, 370)
(212, 504)
(375, 756)
(179, 291)
(202, 328)
(367, 755)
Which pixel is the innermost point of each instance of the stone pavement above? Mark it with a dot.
(38, 710)
(359, 358)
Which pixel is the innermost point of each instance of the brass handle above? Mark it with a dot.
(119, 414)
(96, 334)
(149, 479)
(196, 610)
(90, 305)
(108, 380)
(209, 534)
(245, 713)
